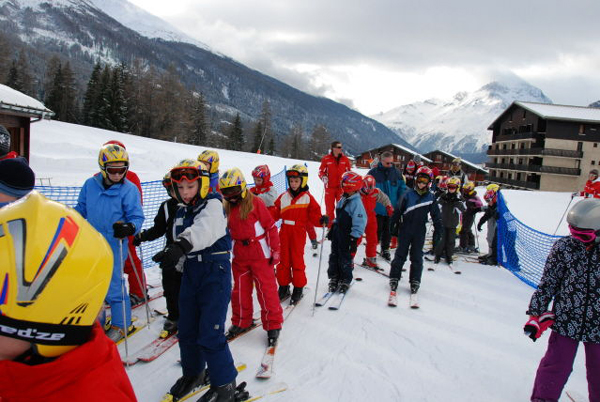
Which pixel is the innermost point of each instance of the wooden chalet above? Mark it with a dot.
(443, 161)
(544, 146)
(17, 112)
(401, 154)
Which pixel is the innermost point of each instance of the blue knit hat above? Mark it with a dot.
(16, 177)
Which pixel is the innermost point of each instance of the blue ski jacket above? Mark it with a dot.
(411, 215)
(390, 181)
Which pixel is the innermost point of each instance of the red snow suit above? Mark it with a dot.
(296, 213)
(592, 189)
(92, 372)
(333, 168)
(134, 283)
(255, 241)
(268, 194)
(369, 202)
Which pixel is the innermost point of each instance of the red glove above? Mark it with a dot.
(390, 210)
(535, 327)
(275, 258)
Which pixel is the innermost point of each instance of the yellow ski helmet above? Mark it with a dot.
(55, 269)
(211, 158)
(298, 170)
(191, 170)
(111, 153)
(232, 184)
(453, 182)
(468, 187)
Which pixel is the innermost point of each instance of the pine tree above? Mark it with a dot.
(101, 115)
(271, 148)
(91, 97)
(236, 135)
(258, 137)
(117, 102)
(199, 123)
(19, 76)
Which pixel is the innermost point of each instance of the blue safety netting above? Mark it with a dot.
(153, 194)
(521, 249)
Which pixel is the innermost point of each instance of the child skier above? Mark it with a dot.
(201, 246)
(348, 227)
(16, 180)
(409, 173)
(371, 195)
(296, 208)
(60, 298)
(113, 206)
(473, 204)
(451, 206)
(571, 280)
(263, 188)
(408, 223)
(171, 278)
(491, 217)
(211, 159)
(255, 253)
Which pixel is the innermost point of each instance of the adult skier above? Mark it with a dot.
(5, 152)
(592, 186)
(113, 206)
(333, 166)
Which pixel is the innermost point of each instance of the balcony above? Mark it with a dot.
(538, 151)
(536, 168)
(517, 183)
(530, 135)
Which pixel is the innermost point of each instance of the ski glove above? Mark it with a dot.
(353, 245)
(324, 221)
(394, 228)
(480, 226)
(535, 327)
(123, 229)
(390, 210)
(275, 258)
(139, 238)
(171, 255)
(325, 180)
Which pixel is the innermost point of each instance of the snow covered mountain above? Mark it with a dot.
(114, 31)
(459, 125)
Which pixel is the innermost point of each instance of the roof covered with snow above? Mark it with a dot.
(11, 99)
(557, 112)
(462, 160)
(403, 148)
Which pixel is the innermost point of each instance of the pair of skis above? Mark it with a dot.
(335, 297)
(153, 350)
(412, 303)
(450, 266)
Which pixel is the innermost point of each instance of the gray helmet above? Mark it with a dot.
(585, 214)
(4, 141)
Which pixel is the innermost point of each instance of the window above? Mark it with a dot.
(595, 145)
(513, 146)
(593, 163)
(524, 114)
(582, 129)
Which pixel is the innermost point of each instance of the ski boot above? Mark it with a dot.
(315, 244)
(296, 295)
(371, 262)
(272, 336)
(393, 284)
(135, 300)
(234, 331)
(185, 384)
(115, 334)
(436, 260)
(333, 284)
(385, 254)
(169, 328)
(223, 393)
(344, 287)
(284, 292)
(414, 287)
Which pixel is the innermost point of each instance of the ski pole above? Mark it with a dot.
(142, 283)
(562, 217)
(319, 270)
(125, 329)
(476, 234)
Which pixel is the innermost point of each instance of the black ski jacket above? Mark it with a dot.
(572, 279)
(451, 206)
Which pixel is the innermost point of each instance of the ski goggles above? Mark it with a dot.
(294, 173)
(231, 193)
(423, 179)
(116, 169)
(187, 174)
(452, 186)
(584, 235)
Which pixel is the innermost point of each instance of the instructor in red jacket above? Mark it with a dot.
(333, 166)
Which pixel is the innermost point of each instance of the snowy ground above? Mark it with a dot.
(464, 344)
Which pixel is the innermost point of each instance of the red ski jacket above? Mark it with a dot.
(297, 211)
(92, 372)
(132, 177)
(592, 189)
(334, 168)
(256, 236)
(371, 200)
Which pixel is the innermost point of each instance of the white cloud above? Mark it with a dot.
(379, 54)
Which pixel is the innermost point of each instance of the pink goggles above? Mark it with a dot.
(584, 235)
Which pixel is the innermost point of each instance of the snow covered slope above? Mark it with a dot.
(465, 343)
(459, 125)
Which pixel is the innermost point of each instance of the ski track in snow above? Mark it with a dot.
(464, 344)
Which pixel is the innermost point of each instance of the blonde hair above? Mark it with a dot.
(246, 206)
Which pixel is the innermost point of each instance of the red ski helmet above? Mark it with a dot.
(411, 166)
(115, 142)
(424, 171)
(368, 184)
(351, 181)
(262, 172)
